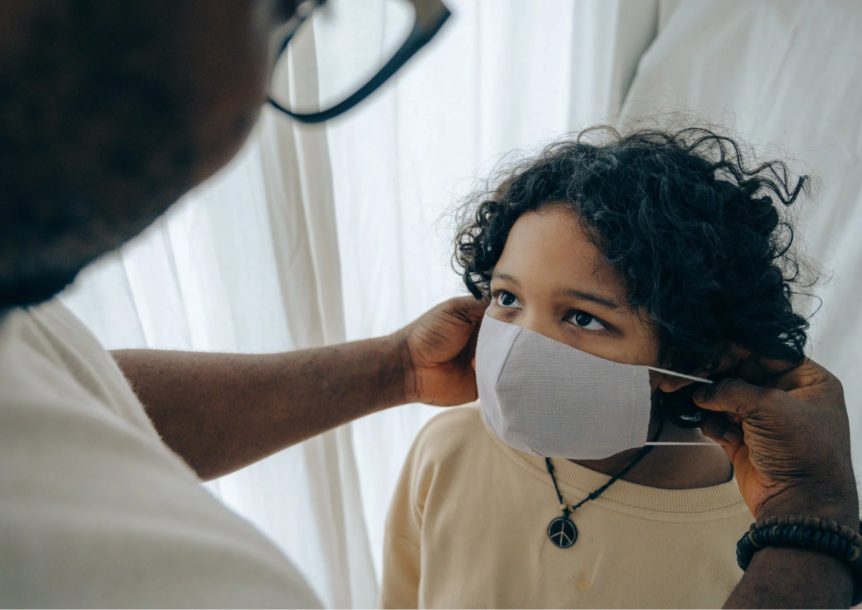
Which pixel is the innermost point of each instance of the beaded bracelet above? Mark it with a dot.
(814, 533)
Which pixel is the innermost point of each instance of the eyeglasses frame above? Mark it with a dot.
(430, 17)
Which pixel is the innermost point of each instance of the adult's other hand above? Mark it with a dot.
(438, 349)
(789, 441)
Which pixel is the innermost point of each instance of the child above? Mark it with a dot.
(602, 262)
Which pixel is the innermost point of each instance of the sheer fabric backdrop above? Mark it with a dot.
(314, 235)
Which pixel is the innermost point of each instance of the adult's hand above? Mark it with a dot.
(438, 349)
(789, 441)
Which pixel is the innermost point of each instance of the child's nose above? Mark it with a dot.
(543, 325)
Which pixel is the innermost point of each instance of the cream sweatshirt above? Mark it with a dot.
(467, 528)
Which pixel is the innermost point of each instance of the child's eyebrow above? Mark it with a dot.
(606, 302)
(506, 277)
(589, 296)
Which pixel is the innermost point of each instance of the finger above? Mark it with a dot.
(727, 434)
(809, 373)
(730, 395)
(718, 428)
(738, 361)
(470, 348)
(468, 309)
(759, 372)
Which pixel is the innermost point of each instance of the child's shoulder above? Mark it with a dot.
(453, 419)
(451, 432)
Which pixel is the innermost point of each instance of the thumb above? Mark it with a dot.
(730, 395)
(719, 428)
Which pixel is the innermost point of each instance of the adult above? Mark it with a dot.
(109, 111)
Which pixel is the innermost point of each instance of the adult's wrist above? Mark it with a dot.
(404, 378)
(840, 505)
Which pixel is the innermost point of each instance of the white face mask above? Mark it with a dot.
(546, 398)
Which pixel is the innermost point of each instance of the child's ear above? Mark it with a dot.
(670, 383)
(667, 383)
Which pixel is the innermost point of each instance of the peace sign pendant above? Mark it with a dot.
(562, 532)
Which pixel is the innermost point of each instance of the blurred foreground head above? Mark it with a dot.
(110, 111)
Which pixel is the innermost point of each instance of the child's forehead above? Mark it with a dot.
(550, 247)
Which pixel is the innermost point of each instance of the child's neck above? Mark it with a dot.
(669, 467)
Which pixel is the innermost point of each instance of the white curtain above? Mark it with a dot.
(317, 235)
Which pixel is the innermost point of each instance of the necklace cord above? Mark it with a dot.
(595, 494)
(550, 468)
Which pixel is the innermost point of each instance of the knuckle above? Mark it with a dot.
(771, 396)
(768, 400)
(835, 383)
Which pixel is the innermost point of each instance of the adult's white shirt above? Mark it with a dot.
(95, 510)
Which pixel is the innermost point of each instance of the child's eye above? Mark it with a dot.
(507, 299)
(585, 321)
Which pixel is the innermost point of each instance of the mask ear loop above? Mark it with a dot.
(683, 375)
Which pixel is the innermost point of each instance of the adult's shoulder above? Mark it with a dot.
(63, 357)
(94, 508)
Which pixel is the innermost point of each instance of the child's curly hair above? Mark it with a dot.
(696, 232)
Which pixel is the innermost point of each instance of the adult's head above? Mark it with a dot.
(681, 233)
(109, 111)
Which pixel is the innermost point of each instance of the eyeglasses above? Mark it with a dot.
(356, 59)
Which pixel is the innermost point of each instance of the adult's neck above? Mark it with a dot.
(671, 467)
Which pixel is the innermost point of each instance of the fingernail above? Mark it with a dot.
(731, 436)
